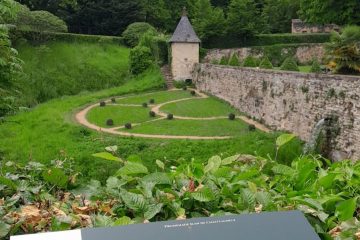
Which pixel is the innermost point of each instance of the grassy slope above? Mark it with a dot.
(159, 97)
(59, 68)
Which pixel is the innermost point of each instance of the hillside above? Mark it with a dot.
(61, 68)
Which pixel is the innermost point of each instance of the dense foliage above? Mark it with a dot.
(290, 65)
(326, 193)
(140, 59)
(135, 31)
(249, 61)
(234, 60)
(265, 63)
(315, 66)
(343, 51)
(38, 21)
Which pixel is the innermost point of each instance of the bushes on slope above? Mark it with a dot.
(234, 60)
(141, 59)
(135, 31)
(315, 67)
(250, 62)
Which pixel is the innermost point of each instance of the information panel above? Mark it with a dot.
(270, 226)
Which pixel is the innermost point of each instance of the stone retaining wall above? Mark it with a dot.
(289, 101)
(303, 53)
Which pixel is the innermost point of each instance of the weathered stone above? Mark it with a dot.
(291, 101)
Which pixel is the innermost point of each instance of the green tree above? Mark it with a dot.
(265, 63)
(328, 11)
(207, 20)
(224, 60)
(290, 65)
(249, 61)
(155, 12)
(279, 13)
(343, 51)
(315, 66)
(234, 60)
(244, 19)
(135, 31)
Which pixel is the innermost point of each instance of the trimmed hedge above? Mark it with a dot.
(265, 39)
(35, 37)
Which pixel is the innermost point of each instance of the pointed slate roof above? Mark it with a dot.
(184, 32)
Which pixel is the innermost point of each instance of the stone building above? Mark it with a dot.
(185, 46)
(299, 26)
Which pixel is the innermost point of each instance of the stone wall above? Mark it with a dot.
(303, 53)
(183, 58)
(299, 26)
(289, 101)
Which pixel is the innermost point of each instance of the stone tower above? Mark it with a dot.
(185, 46)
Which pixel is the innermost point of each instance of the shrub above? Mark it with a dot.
(145, 105)
(252, 127)
(290, 65)
(315, 67)
(234, 60)
(193, 92)
(232, 116)
(102, 104)
(140, 59)
(109, 122)
(152, 101)
(152, 114)
(128, 126)
(224, 60)
(266, 64)
(343, 51)
(158, 46)
(135, 31)
(113, 100)
(250, 62)
(44, 21)
(184, 88)
(188, 82)
(170, 116)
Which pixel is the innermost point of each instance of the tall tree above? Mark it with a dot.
(244, 18)
(279, 13)
(330, 11)
(207, 20)
(155, 12)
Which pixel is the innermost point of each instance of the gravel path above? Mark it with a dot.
(81, 118)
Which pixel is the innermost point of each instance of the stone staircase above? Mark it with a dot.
(166, 72)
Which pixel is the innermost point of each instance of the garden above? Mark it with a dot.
(90, 136)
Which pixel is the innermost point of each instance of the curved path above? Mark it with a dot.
(81, 118)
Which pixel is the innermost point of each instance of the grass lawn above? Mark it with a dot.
(119, 114)
(48, 132)
(305, 69)
(208, 107)
(220, 127)
(159, 97)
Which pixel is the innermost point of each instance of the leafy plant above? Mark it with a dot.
(145, 105)
(110, 122)
(265, 63)
(170, 116)
(152, 114)
(231, 116)
(343, 51)
(224, 60)
(290, 65)
(141, 59)
(234, 60)
(135, 31)
(128, 126)
(102, 104)
(315, 67)
(249, 61)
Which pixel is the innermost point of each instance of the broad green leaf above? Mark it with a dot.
(157, 178)
(160, 164)
(102, 221)
(264, 198)
(107, 156)
(284, 139)
(283, 170)
(327, 181)
(112, 183)
(4, 229)
(134, 201)
(8, 182)
(152, 210)
(204, 195)
(345, 209)
(132, 168)
(229, 160)
(248, 198)
(213, 164)
(55, 176)
(123, 221)
(111, 149)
